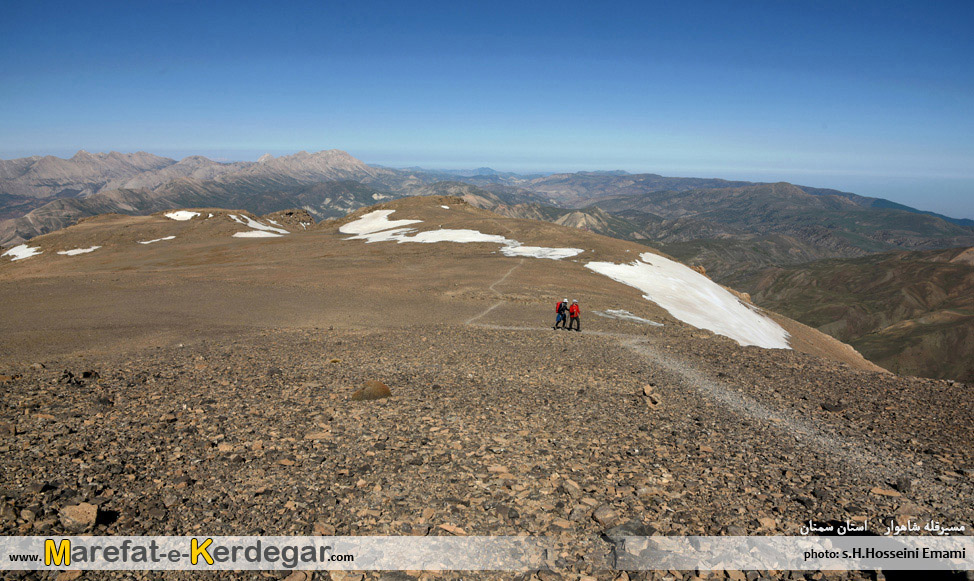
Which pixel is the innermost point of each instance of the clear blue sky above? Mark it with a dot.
(871, 97)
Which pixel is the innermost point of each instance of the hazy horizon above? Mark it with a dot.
(904, 189)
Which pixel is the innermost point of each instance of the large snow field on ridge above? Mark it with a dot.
(376, 227)
(695, 299)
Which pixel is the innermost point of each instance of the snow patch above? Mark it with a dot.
(77, 251)
(21, 252)
(376, 227)
(695, 299)
(445, 207)
(156, 240)
(447, 235)
(516, 249)
(256, 234)
(625, 316)
(374, 222)
(181, 215)
(251, 223)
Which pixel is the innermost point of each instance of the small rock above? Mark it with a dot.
(297, 576)
(68, 575)
(571, 488)
(833, 406)
(37, 366)
(79, 517)
(884, 492)
(8, 513)
(323, 529)
(419, 530)
(39, 487)
(8, 429)
(903, 484)
(453, 530)
(605, 516)
(372, 390)
(735, 531)
(633, 528)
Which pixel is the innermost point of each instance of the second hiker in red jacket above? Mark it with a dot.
(573, 316)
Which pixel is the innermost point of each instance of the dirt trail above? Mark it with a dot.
(496, 292)
(856, 454)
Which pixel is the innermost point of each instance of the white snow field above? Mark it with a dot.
(695, 299)
(445, 207)
(156, 240)
(540, 251)
(260, 226)
(376, 227)
(447, 235)
(375, 222)
(256, 234)
(21, 252)
(181, 215)
(76, 251)
(625, 316)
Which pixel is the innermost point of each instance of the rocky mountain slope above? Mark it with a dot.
(82, 175)
(735, 230)
(831, 222)
(911, 312)
(328, 184)
(197, 367)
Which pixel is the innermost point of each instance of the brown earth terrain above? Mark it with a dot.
(204, 383)
(910, 312)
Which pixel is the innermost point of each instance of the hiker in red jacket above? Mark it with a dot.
(562, 309)
(573, 314)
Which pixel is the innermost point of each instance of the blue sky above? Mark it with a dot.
(875, 98)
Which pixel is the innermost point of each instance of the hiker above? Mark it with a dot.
(562, 309)
(573, 314)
